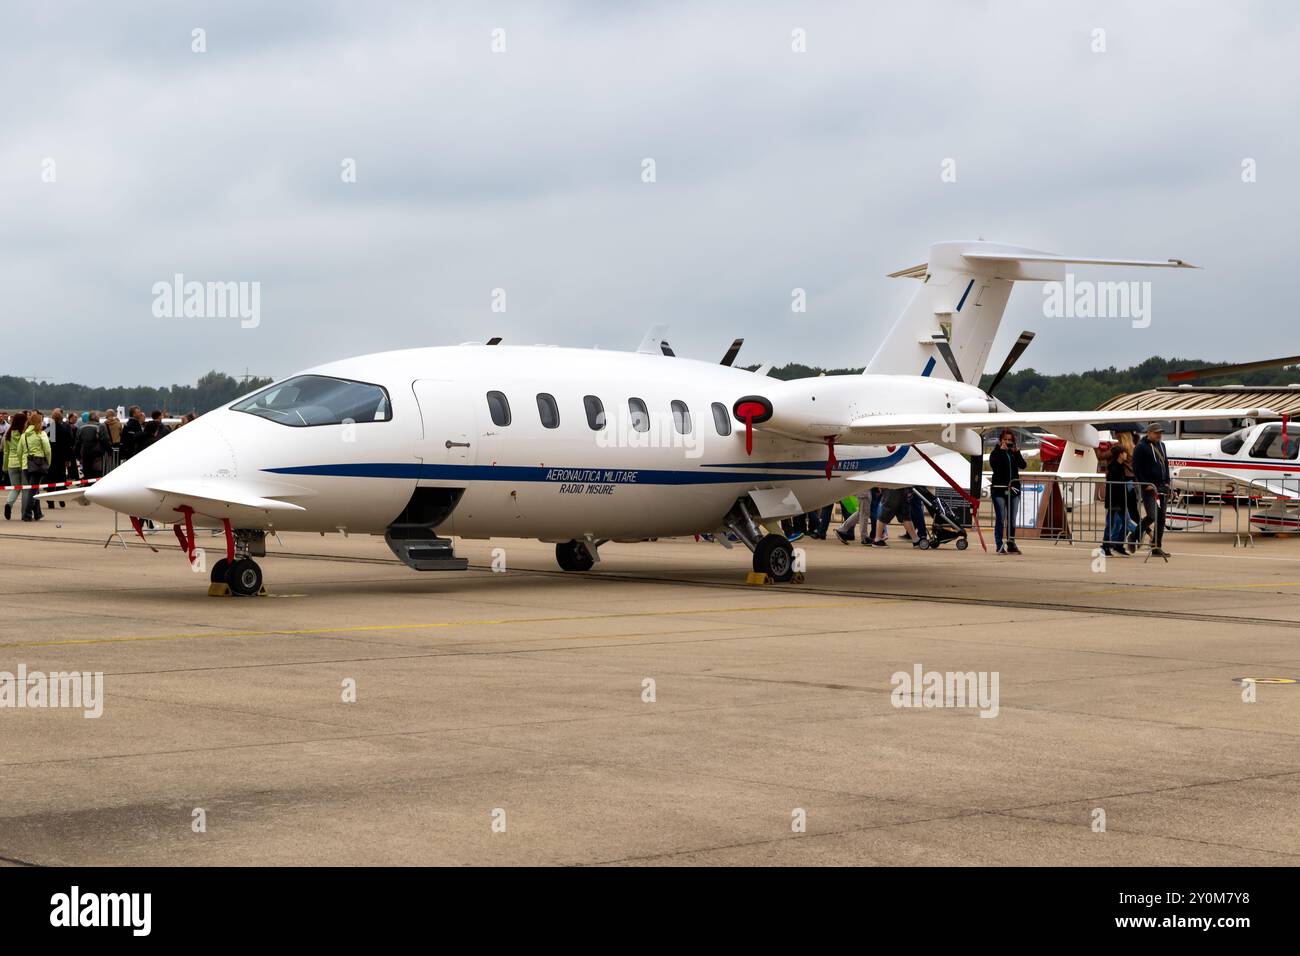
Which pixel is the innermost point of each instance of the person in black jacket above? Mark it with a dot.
(62, 463)
(1151, 469)
(88, 449)
(1006, 462)
(1116, 502)
(132, 433)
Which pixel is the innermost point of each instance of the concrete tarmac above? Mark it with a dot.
(505, 717)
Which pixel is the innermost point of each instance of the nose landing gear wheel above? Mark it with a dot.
(217, 573)
(574, 556)
(774, 557)
(244, 577)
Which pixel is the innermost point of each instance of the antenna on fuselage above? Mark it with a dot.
(652, 343)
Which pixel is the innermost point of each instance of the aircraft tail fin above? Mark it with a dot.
(948, 327)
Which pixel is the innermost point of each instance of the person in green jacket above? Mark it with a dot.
(11, 459)
(34, 444)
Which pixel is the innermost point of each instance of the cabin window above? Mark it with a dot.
(721, 420)
(640, 414)
(1232, 444)
(548, 410)
(307, 400)
(595, 412)
(681, 417)
(499, 408)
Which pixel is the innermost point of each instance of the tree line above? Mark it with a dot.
(211, 391)
(1027, 390)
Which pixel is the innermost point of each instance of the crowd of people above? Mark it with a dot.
(40, 450)
(1135, 493)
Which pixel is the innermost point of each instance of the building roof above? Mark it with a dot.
(1285, 399)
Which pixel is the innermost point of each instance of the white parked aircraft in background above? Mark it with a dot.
(1258, 456)
(579, 447)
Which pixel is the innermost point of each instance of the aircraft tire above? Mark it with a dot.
(774, 557)
(244, 577)
(573, 556)
(217, 573)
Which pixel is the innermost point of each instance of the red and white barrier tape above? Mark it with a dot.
(54, 484)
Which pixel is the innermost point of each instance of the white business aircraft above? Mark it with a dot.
(1259, 461)
(579, 447)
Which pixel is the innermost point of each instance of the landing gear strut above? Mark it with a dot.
(237, 573)
(773, 554)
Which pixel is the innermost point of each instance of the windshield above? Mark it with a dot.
(318, 400)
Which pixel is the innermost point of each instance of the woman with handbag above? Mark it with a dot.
(36, 464)
(11, 456)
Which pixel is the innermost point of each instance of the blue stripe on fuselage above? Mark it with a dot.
(644, 476)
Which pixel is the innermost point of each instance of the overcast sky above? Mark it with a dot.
(522, 170)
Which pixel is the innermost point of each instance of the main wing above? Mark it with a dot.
(866, 429)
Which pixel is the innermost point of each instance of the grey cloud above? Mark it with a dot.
(775, 170)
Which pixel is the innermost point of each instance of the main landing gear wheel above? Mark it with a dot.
(217, 573)
(574, 556)
(774, 557)
(244, 577)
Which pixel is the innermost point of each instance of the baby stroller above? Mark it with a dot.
(944, 524)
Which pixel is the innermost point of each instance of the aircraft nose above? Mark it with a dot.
(120, 491)
(196, 450)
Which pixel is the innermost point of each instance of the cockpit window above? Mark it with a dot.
(1232, 444)
(318, 400)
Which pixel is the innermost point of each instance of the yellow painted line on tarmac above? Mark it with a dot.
(429, 625)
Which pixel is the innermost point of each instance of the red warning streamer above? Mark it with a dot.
(749, 411)
(973, 502)
(187, 541)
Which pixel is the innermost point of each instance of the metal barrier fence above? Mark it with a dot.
(1075, 509)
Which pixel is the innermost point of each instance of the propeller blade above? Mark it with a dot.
(1214, 370)
(1013, 356)
(732, 352)
(941, 343)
